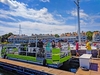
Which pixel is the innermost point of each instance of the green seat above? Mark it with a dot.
(56, 59)
(55, 55)
(55, 50)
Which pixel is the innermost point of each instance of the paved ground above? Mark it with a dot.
(94, 68)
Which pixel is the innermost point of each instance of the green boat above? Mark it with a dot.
(31, 53)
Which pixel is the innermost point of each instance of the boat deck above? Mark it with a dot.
(94, 68)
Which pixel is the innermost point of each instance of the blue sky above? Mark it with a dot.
(48, 16)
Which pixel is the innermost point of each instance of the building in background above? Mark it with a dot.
(70, 37)
(18, 39)
(96, 36)
(28, 39)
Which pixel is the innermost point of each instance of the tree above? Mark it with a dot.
(9, 34)
(89, 35)
(2, 39)
(5, 37)
(56, 35)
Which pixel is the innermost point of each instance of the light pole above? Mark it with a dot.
(79, 36)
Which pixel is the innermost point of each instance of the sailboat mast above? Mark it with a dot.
(79, 35)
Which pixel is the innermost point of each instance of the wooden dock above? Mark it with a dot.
(92, 71)
(36, 67)
(94, 68)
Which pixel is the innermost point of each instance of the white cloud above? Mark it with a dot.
(34, 27)
(41, 15)
(10, 3)
(83, 15)
(7, 17)
(7, 30)
(38, 21)
(87, 21)
(82, 22)
(45, 0)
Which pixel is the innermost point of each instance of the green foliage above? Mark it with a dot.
(89, 35)
(15, 50)
(3, 51)
(5, 37)
(56, 35)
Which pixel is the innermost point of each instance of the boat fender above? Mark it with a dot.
(44, 62)
(4, 56)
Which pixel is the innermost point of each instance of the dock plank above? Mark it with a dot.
(81, 72)
(56, 71)
(94, 70)
(36, 67)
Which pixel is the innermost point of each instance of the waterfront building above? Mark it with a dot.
(96, 36)
(71, 37)
(83, 37)
(28, 39)
(18, 39)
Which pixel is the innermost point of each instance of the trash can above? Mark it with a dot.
(84, 60)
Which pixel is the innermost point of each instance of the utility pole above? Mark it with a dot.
(79, 36)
